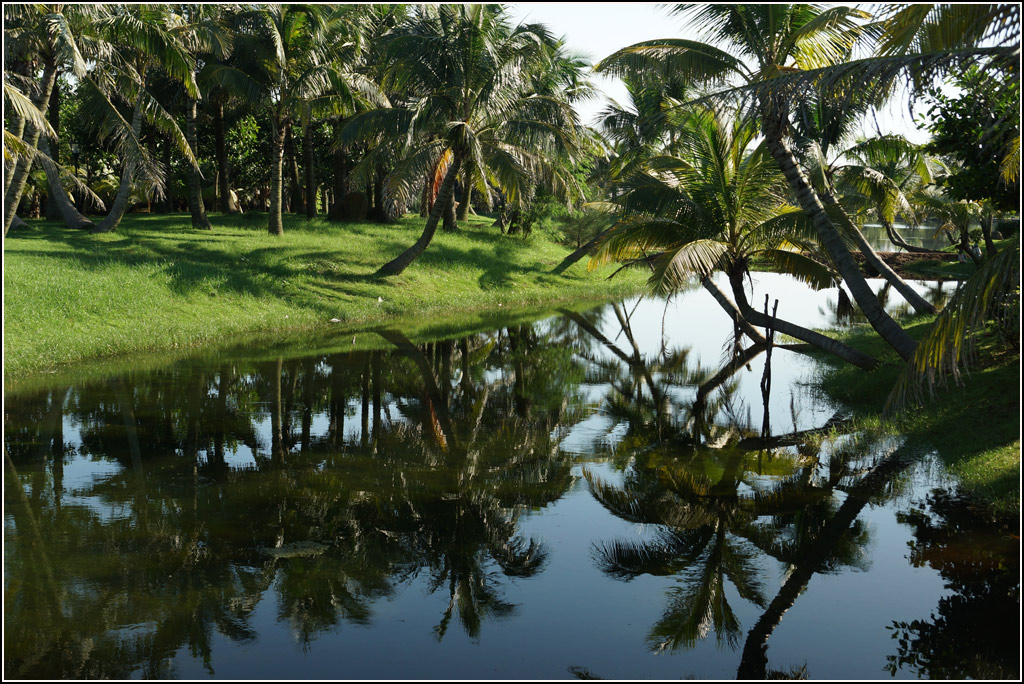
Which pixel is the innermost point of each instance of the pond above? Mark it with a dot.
(590, 494)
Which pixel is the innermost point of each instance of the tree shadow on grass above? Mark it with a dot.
(193, 264)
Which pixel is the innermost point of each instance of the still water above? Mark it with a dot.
(587, 494)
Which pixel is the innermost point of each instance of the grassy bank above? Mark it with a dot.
(157, 284)
(974, 426)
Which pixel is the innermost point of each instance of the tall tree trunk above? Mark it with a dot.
(986, 231)
(758, 318)
(59, 199)
(340, 184)
(53, 212)
(16, 187)
(467, 196)
(890, 331)
(308, 170)
(166, 205)
(295, 199)
(227, 204)
(450, 225)
(402, 261)
(120, 206)
(195, 185)
(919, 303)
(276, 180)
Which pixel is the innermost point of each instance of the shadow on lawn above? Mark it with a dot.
(220, 262)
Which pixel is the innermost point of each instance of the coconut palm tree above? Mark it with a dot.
(44, 36)
(884, 173)
(718, 205)
(292, 59)
(779, 53)
(140, 41)
(471, 109)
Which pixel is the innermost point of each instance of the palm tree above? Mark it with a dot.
(793, 48)
(715, 207)
(885, 173)
(140, 40)
(46, 36)
(471, 109)
(291, 59)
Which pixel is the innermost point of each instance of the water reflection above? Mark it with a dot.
(980, 616)
(183, 514)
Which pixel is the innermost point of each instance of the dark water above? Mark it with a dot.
(587, 494)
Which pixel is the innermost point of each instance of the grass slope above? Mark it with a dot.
(158, 284)
(974, 426)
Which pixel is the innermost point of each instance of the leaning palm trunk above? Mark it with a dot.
(195, 186)
(275, 226)
(59, 197)
(920, 304)
(16, 187)
(897, 239)
(889, 330)
(444, 193)
(583, 250)
(120, 205)
(758, 318)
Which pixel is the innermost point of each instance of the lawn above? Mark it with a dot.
(157, 284)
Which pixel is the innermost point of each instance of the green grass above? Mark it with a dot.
(974, 426)
(157, 284)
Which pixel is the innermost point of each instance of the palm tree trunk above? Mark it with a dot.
(120, 205)
(890, 331)
(308, 170)
(276, 181)
(734, 313)
(450, 224)
(227, 204)
(467, 196)
(920, 304)
(897, 239)
(402, 261)
(59, 199)
(579, 253)
(52, 211)
(195, 186)
(16, 187)
(758, 318)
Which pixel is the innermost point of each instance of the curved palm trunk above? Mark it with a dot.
(16, 187)
(195, 186)
(59, 199)
(889, 330)
(897, 239)
(444, 193)
(275, 226)
(920, 304)
(120, 205)
(758, 318)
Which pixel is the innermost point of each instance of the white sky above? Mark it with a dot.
(597, 29)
